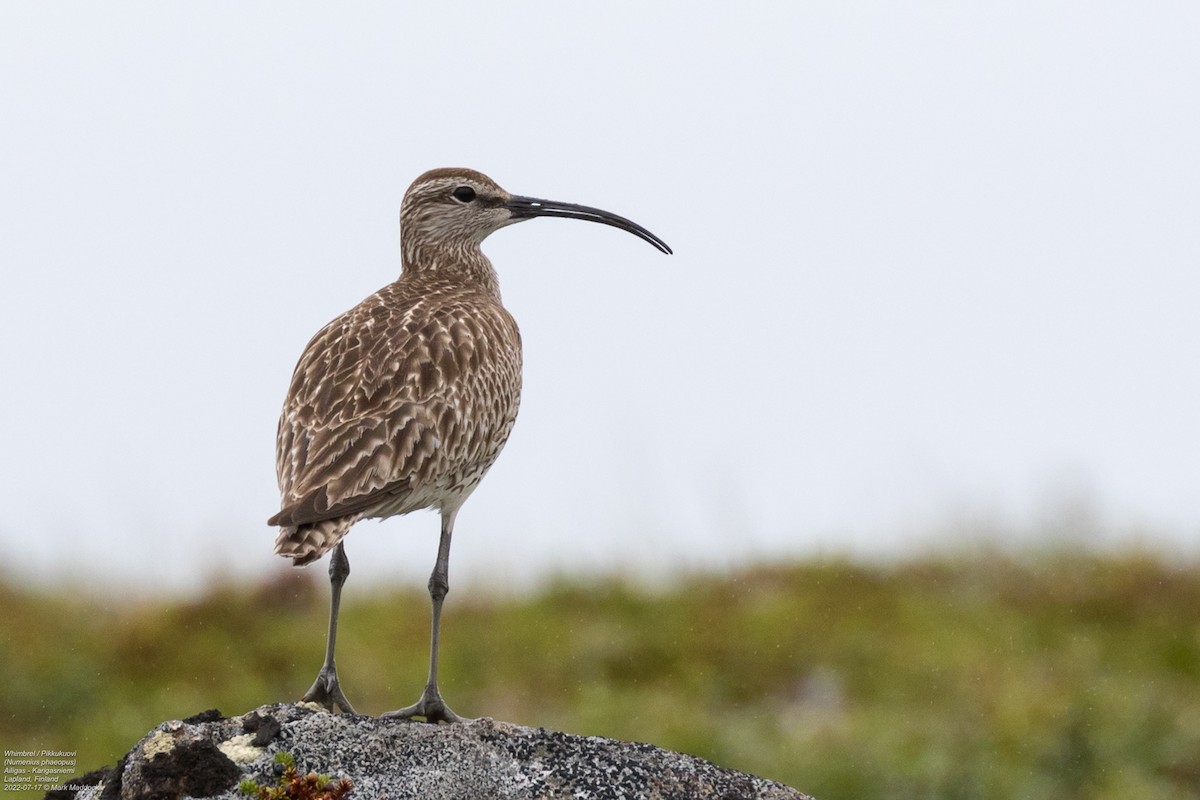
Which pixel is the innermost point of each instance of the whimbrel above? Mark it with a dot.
(405, 401)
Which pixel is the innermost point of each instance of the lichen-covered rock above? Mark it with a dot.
(209, 755)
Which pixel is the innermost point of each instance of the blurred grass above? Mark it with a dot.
(1068, 675)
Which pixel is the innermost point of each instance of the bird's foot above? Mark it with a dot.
(328, 692)
(431, 706)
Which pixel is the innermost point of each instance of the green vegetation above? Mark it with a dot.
(1063, 676)
(294, 786)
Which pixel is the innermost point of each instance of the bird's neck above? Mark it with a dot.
(463, 264)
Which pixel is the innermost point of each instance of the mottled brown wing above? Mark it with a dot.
(376, 402)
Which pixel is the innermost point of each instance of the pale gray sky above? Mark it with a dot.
(933, 261)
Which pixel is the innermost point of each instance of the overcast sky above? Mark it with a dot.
(937, 270)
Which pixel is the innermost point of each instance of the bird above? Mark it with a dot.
(405, 401)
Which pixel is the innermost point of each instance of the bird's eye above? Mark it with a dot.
(464, 194)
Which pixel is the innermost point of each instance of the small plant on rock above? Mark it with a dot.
(294, 786)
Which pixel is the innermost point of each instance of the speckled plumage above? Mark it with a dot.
(401, 403)
(405, 401)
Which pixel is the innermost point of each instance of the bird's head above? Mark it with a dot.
(457, 209)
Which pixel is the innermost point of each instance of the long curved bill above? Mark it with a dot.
(529, 207)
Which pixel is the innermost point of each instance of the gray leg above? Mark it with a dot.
(431, 706)
(325, 689)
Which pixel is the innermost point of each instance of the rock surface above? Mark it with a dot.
(208, 755)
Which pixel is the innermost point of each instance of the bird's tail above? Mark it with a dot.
(306, 543)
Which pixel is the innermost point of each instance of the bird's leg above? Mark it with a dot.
(325, 689)
(431, 706)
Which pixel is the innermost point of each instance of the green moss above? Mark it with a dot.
(293, 786)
